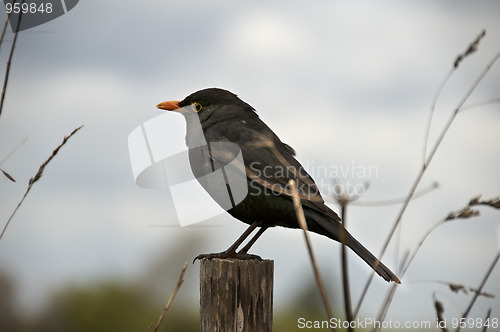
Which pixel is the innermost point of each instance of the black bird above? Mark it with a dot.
(219, 118)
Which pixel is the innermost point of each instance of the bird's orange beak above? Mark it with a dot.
(168, 105)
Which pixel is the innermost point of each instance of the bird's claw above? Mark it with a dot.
(228, 255)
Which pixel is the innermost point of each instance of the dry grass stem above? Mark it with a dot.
(468, 212)
(432, 110)
(464, 213)
(39, 174)
(425, 165)
(480, 103)
(487, 319)
(480, 293)
(458, 108)
(457, 287)
(438, 305)
(282, 187)
(470, 49)
(343, 199)
(13, 150)
(302, 223)
(494, 202)
(4, 29)
(9, 61)
(345, 267)
(398, 200)
(170, 300)
(390, 295)
(37, 177)
(385, 307)
(480, 288)
(460, 288)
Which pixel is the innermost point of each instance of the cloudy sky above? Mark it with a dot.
(348, 84)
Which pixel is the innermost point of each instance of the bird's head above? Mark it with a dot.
(212, 102)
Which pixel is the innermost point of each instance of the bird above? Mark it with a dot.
(219, 125)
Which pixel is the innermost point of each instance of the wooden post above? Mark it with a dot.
(236, 295)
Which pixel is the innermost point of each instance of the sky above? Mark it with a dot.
(348, 84)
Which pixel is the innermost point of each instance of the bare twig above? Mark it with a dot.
(37, 177)
(422, 172)
(177, 286)
(302, 223)
(7, 69)
(479, 289)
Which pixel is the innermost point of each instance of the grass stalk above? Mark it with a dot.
(302, 223)
(479, 289)
(464, 213)
(345, 267)
(180, 280)
(37, 177)
(4, 29)
(486, 319)
(9, 61)
(426, 163)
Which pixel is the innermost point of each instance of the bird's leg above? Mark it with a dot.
(243, 236)
(252, 241)
(231, 251)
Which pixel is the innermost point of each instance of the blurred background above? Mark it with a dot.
(348, 84)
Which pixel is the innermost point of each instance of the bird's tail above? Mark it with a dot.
(335, 230)
(370, 259)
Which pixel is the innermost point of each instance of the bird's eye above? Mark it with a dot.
(196, 107)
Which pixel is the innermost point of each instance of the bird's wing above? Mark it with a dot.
(268, 161)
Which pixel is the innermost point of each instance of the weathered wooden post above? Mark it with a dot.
(236, 295)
